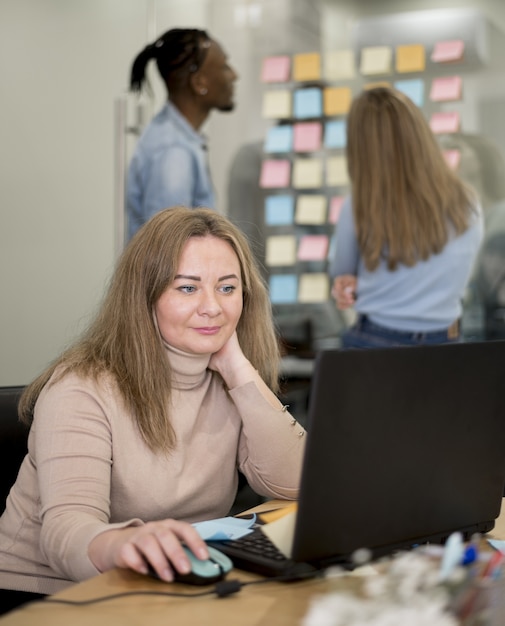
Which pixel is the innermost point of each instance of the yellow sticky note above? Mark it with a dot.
(280, 250)
(336, 171)
(410, 58)
(339, 65)
(277, 104)
(307, 66)
(310, 209)
(376, 60)
(307, 173)
(314, 287)
(337, 100)
(271, 516)
(281, 533)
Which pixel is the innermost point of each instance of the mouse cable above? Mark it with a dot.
(222, 589)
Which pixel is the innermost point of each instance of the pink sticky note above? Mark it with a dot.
(335, 207)
(275, 69)
(446, 88)
(448, 51)
(452, 157)
(313, 248)
(275, 173)
(307, 136)
(445, 122)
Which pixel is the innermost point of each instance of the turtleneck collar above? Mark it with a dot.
(189, 370)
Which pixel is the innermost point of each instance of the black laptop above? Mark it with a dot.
(404, 446)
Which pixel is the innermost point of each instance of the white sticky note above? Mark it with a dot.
(280, 250)
(376, 60)
(336, 171)
(310, 209)
(307, 173)
(313, 287)
(277, 104)
(339, 65)
(281, 533)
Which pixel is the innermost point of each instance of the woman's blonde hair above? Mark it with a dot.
(405, 196)
(123, 341)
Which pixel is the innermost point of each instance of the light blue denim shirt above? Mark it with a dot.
(168, 168)
(423, 298)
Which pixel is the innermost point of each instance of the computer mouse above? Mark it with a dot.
(204, 572)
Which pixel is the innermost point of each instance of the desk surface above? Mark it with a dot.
(282, 604)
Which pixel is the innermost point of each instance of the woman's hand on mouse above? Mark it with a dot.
(155, 543)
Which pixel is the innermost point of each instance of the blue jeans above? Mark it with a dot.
(366, 334)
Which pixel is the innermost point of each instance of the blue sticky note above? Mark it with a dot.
(413, 89)
(279, 210)
(335, 134)
(308, 103)
(283, 288)
(224, 528)
(279, 139)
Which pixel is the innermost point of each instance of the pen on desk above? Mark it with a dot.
(493, 566)
(453, 554)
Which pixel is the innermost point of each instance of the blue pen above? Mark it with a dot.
(470, 554)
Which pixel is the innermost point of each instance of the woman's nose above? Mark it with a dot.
(209, 304)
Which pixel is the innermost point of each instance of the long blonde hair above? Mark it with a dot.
(124, 341)
(405, 196)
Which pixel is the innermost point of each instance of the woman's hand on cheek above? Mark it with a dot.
(231, 363)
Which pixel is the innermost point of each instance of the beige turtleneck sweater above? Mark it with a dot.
(87, 469)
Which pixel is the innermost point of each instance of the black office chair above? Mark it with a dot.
(13, 440)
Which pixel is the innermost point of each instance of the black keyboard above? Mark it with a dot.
(256, 553)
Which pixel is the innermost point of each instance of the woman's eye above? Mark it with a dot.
(187, 288)
(228, 288)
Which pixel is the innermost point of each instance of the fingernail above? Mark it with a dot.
(183, 566)
(203, 553)
(167, 575)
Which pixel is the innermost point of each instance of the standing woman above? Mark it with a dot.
(142, 426)
(169, 166)
(408, 236)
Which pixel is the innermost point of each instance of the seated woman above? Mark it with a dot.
(407, 238)
(142, 426)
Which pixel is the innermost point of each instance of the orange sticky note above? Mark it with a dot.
(448, 51)
(271, 516)
(446, 88)
(307, 66)
(337, 100)
(410, 58)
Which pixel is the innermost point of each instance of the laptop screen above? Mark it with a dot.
(405, 445)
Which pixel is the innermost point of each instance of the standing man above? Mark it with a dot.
(169, 166)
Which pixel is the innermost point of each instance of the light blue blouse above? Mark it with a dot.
(423, 298)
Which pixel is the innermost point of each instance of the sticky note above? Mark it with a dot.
(283, 288)
(379, 83)
(337, 100)
(310, 209)
(335, 134)
(446, 88)
(339, 65)
(445, 122)
(376, 60)
(307, 136)
(313, 248)
(277, 104)
(275, 173)
(313, 287)
(453, 158)
(450, 51)
(410, 58)
(279, 210)
(413, 89)
(307, 66)
(307, 173)
(336, 171)
(307, 103)
(336, 203)
(280, 250)
(275, 69)
(279, 139)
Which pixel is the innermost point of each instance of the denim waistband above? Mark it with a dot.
(452, 332)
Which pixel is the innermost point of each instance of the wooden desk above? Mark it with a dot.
(281, 604)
